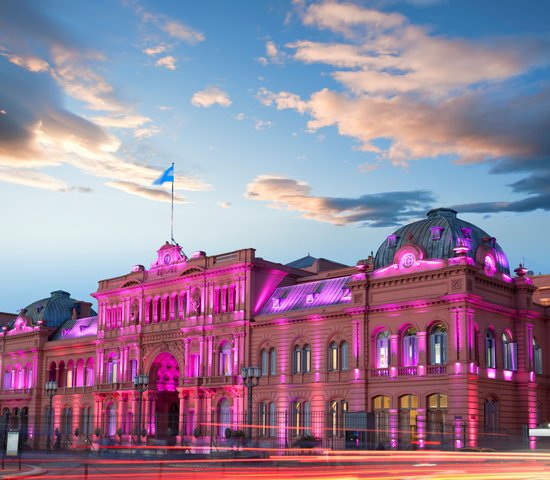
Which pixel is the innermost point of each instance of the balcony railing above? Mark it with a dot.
(16, 393)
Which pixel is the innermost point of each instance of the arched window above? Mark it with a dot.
(306, 359)
(410, 348)
(296, 418)
(8, 385)
(80, 373)
(438, 345)
(490, 349)
(436, 417)
(89, 378)
(150, 311)
(112, 369)
(70, 374)
(67, 421)
(297, 359)
(264, 361)
(29, 374)
(225, 359)
(158, 319)
(166, 309)
(491, 415)
(175, 306)
(61, 375)
(381, 407)
(272, 420)
(52, 376)
(336, 419)
(224, 416)
(333, 357)
(272, 362)
(263, 417)
(408, 405)
(383, 349)
(344, 355)
(509, 353)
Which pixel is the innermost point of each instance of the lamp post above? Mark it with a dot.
(51, 390)
(251, 378)
(140, 385)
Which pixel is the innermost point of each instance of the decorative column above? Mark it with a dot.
(422, 353)
(181, 431)
(421, 427)
(210, 372)
(393, 428)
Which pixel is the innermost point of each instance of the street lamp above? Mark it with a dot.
(251, 378)
(51, 390)
(140, 385)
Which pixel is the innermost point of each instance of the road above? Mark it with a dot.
(330, 465)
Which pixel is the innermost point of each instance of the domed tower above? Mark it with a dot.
(57, 309)
(440, 239)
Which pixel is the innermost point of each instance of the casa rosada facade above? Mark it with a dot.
(432, 341)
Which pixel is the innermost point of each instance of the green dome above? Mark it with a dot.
(438, 236)
(55, 310)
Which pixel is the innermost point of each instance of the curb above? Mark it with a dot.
(32, 472)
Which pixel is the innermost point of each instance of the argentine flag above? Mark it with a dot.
(167, 176)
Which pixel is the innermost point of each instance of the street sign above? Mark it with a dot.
(12, 449)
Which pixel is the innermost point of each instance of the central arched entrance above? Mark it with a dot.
(164, 378)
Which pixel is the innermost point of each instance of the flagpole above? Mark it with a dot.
(172, 215)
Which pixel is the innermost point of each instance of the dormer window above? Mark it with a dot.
(276, 302)
(467, 232)
(346, 295)
(436, 232)
(310, 297)
(392, 240)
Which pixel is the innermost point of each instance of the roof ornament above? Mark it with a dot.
(521, 271)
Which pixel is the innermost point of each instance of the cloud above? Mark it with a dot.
(121, 121)
(260, 125)
(32, 178)
(211, 96)
(375, 210)
(36, 129)
(151, 51)
(240, 116)
(224, 204)
(168, 62)
(30, 63)
(182, 32)
(149, 193)
(146, 132)
(272, 54)
(428, 96)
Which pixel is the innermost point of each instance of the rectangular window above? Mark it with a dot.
(194, 366)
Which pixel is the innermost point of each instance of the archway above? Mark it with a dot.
(164, 377)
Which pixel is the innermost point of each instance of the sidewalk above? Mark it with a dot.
(12, 471)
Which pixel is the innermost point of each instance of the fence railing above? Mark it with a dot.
(279, 430)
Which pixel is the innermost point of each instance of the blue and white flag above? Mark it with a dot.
(167, 176)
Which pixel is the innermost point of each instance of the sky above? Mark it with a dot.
(295, 127)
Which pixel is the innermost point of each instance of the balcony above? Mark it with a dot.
(222, 380)
(192, 382)
(74, 390)
(380, 374)
(16, 393)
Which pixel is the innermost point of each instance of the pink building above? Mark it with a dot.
(430, 342)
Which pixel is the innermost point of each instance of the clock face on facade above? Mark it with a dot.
(167, 259)
(408, 260)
